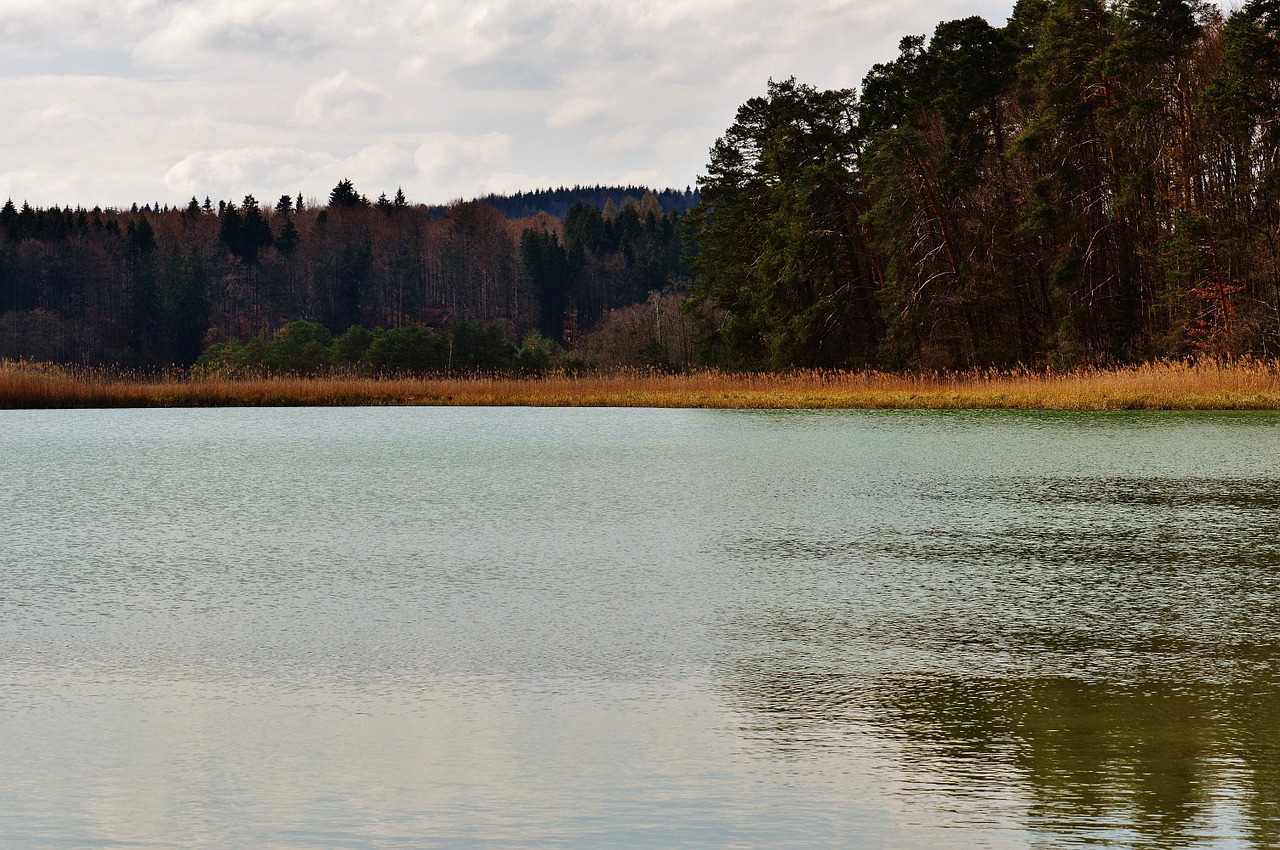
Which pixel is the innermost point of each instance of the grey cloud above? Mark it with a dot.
(503, 72)
(202, 33)
(111, 102)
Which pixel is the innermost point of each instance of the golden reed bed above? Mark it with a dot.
(1239, 385)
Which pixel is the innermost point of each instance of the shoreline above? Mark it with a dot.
(1240, 385)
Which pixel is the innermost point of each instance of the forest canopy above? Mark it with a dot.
(1091, 183)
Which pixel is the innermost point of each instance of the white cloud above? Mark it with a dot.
(678, 143)
(338, 98)
(378, 168)
(412, 67)
(641, 178)
(628, 141)
(230, 170)
(576, 110)
(443, 153)
(510, 182)
(269, 171)
(51, 185)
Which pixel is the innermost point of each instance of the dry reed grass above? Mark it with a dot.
(1237, 385)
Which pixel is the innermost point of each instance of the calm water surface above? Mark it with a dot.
(595, 628)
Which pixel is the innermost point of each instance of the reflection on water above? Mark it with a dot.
(1154, 762)
(639, 628)
(1106, 647)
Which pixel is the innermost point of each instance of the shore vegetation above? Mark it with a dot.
(1205, 385)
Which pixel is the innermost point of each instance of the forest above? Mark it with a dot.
(297, 287)
(1091, 184)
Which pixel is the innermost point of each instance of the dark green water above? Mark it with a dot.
(589, 628)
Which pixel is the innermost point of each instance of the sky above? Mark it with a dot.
(112, 102)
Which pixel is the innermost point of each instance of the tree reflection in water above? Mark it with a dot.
(1101, 654)
(1094, 760)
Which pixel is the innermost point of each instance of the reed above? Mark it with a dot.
(1205, 385)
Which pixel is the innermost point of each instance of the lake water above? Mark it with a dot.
(637, 628)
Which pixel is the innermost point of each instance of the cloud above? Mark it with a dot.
(269, 171)
(510, 182)
(51, 185)
(628, 141)
(374, 169)
(444, 152)
(679, 143)
(451, 166)
(336, 99)
(576, 110)
(641, 178)
(112, 102)
(238, 168)
(192, 34)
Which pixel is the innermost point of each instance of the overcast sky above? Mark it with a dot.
(109, 102)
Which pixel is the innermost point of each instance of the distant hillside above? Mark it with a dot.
(557, 202)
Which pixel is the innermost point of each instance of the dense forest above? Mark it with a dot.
(558, 202)
(1088, 184)
(152, 287)
(1091, 183)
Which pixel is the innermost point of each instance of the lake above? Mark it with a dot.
(460, 627)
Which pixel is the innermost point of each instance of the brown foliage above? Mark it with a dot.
(1208, 385)
(655, 334)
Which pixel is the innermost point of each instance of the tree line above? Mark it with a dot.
(158, 286)
(309, 348)
(558, 202)
(1091, 183)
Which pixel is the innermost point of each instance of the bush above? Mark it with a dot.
(412, 348)
(300, 348)
(536, 355)
(351, 348)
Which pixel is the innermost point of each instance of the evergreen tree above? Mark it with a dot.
(287, 242)
(546, 265)
(345, 195)
(779, 245)
(187, 305)
(144, 306)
